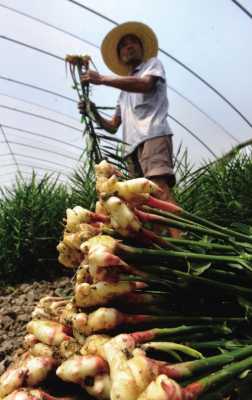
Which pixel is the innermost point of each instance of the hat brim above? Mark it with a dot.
(111, 40)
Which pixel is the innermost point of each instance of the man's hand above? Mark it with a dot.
(82, 106)
(91, 77)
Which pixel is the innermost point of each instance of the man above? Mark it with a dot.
(130, 50)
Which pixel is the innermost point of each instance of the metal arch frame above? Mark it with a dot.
(41, 135)
(37, 167)
(46, 150)
(7, 142)
(21, 172)
(37, 159)
(49, 119)
(242, 8)
(112, 108)
(39, 106)
(49, 25)
(40, 116)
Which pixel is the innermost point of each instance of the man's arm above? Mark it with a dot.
(110, 125)
(126, 83)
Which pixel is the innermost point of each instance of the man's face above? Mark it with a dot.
(130, 50)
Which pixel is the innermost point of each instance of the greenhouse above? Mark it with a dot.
(125, 200)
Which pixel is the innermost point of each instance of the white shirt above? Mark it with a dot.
(144, 115)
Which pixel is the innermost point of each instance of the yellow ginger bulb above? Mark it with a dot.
(69, 348)
(30, 370)
(48, 332)
(82, 274)
(41, 350)
(76, 216)
(99, 208)
(68, 257)
(22, 394)
(123, 383)
(94, 345)
(72, 240)
(107, 183)
(162, 388)
(79, 215)
(99, 254)
(129, 190)
(129, 375)
(101, 241)
(29, 341)
(100, 293)
(79, 322)
(101, 319)
(30, 394)
(11, 380)
(106, 177)
(122, 218)
(67, 314)
(37, 369)
(77, 368)
(77, 59)
(101, 387)
(101, 261)
(141, 369)
(106, 186)
(106, 170)
(85, 232)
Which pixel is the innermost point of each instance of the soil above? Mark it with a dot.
(16, 306)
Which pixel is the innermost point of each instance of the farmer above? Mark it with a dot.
(130, 51)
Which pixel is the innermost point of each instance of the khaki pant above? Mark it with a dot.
(153, 158)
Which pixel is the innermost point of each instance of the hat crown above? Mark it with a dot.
(110, 43)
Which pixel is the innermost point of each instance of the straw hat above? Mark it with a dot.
(111, 40)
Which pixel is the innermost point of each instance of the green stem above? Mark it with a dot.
(188, 368)
(222, 392)
(184, 226)
(201, 386)
(187, 329)
(215, 344)
(228, 231)
(200, 243)
(192, 218)
(186, 255)
(224, 287)
(215, 284)
(167, 346)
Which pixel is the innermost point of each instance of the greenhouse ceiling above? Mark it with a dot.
(205, 48)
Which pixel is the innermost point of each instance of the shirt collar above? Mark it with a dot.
(136, 69)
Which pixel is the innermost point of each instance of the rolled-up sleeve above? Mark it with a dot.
(154, 67)
(118, 107)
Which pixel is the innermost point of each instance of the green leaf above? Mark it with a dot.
(244, 374)
(247, 305)
(243, 228)
(198, 270)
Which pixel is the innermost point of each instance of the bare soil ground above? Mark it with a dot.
(16, 306)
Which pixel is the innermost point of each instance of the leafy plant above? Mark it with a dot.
(220, 191)
(31, 214)
(83, 192)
